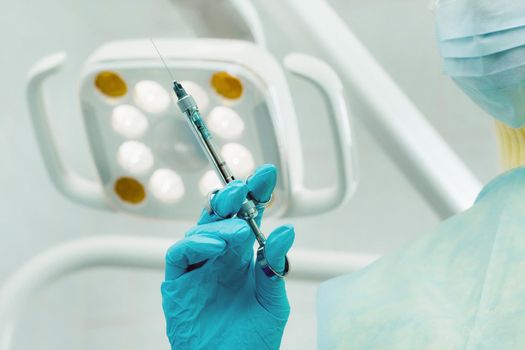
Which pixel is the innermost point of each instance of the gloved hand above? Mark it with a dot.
(214, 295)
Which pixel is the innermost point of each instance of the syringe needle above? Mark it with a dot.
(162, 59)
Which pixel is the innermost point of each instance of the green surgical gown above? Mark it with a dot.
(462, 286)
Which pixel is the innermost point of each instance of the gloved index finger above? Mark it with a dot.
(235, 232)
(225, 203)
(261, 185)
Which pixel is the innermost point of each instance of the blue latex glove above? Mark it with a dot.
(214, 295)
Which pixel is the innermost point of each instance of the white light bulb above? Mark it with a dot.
(225, 122)
(135, 157)
(209, 182)
(198, 93)
(166, 185)
(239, 159)
(129, 121)
(151, 96)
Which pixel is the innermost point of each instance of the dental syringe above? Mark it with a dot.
(248, 211)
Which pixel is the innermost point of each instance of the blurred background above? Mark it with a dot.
(116, 309)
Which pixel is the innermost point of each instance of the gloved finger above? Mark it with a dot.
(271, 292)
(226, 203)
(236, 234)
(261, 185)
(191, 251)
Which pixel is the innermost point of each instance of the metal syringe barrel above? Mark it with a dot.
(188, 106)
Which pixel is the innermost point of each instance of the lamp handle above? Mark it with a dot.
(69, 183)
(314, 201)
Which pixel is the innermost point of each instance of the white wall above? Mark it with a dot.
(109, 309)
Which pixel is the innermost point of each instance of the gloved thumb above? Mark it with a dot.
(271, 292)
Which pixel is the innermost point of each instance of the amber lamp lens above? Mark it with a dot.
(130, 190)
(111, 84)
(227, 85)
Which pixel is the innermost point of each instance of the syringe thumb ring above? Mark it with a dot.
(267, 268)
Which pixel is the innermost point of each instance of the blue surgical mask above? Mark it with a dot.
(465, 18)
(502, 94)
(485, 65)
(483, 45)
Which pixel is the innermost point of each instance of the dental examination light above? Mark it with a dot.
(148, 161)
